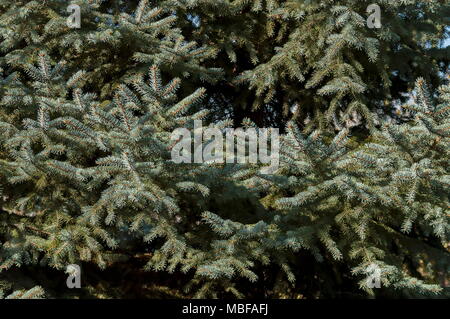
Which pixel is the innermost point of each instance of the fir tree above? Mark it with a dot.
(117, 40)
(86, 169)
(266, 60)
(34, 293)
(316, 59)
(87, 179)
(352, 203)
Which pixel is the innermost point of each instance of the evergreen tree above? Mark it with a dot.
(266, 60)
(116, 40)
(94, 182)
(374, 202)
(316, 59)
(87, 175)
(34, 293)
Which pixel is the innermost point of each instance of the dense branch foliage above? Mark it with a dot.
(87, 178)
(266, 60)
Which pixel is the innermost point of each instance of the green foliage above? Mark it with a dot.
(371, 204)
(318, 59)
(265, 60)
(86, 176)
(117, 40)
(33, 293)
(86, 179)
